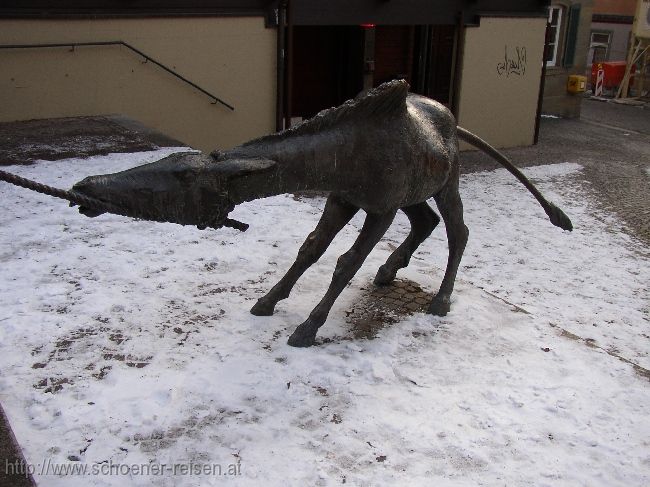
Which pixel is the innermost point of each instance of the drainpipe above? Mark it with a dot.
(542, 83)
(280, 66)
(457, 66)
(368, 56)
(289, 65)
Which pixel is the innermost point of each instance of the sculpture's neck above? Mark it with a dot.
(307, 162)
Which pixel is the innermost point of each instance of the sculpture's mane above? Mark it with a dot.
(386, 100)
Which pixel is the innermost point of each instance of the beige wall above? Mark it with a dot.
(497, 103)
(234, 58)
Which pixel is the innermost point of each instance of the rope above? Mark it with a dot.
(83, 200)
(72, 196)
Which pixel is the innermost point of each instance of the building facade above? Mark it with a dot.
(568, 37)
(611, 26)
(270, 63)
(482, 59)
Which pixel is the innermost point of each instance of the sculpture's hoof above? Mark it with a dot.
(440, 306)
(303, 336)
(384, 276)
(302, 342)
(262, 308)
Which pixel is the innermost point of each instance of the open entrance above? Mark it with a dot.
(331, 64)
(327, 67)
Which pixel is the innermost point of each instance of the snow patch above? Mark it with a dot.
(130, 342)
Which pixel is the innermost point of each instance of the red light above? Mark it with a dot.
(367, 26)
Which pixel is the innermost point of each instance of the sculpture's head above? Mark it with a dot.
(182, 188)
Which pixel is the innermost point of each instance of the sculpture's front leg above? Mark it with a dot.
(348, 264)
(336, 215)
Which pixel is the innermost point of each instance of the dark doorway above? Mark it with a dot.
(327, 67)
(329, 62)
(423, 55)
(394, 46)
(434, 61)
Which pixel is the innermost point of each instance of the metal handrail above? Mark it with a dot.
(72, 45)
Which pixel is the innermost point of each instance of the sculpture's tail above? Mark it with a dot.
(557, 216)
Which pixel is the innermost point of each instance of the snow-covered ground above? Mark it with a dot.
(127, 343)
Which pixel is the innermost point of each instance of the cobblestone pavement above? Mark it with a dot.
(381, 306)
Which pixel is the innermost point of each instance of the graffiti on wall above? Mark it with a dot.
(514, 62)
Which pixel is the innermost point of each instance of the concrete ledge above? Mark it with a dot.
(13, 466)
(61, 138)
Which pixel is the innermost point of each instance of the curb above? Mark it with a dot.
(12, 473)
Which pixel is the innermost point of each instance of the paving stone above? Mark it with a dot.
(413, 306)
(380, 307)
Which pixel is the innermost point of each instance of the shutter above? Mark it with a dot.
(571, 36)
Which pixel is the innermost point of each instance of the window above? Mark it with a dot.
(563, 25)
(599, 46)
(555, 28)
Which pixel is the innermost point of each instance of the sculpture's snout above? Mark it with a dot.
(87, 187)
(185, 188)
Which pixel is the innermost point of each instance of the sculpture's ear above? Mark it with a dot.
(235, 168)
(246, 179)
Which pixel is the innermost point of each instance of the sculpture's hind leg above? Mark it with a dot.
(423, 220)
(346, 267)
(451, 209)
(336, 215)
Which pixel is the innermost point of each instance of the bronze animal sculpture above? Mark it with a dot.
(387, 150)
